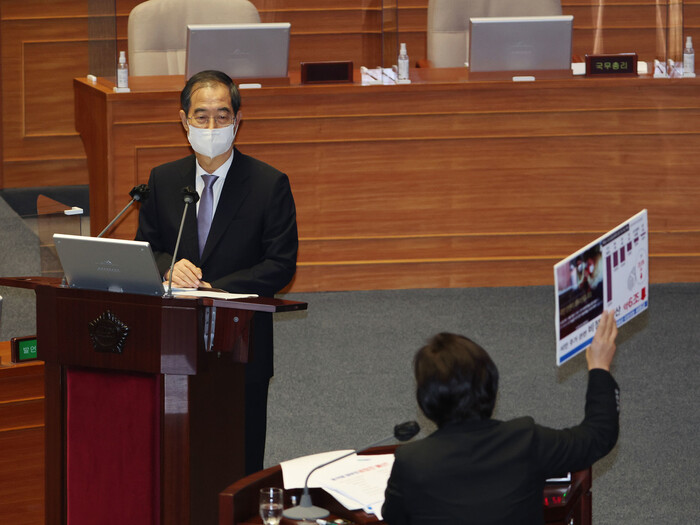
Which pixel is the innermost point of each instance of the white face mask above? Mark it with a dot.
(212, 142)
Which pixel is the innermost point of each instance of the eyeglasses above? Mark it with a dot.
(220, 121)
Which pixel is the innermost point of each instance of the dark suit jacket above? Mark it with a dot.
(493, 472)
(252, 244)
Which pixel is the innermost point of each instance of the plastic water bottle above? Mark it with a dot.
(122, 71)
(689, 58)
(403, 63)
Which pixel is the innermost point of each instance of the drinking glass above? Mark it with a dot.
(271, 505)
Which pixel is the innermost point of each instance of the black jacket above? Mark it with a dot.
(493, 472)
(252, 244)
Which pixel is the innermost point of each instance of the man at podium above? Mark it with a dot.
(241, 236)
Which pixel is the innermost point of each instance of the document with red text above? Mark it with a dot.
(611, 273)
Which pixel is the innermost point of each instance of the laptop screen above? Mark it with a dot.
(525, 43)
(239, 50)
(113, 265)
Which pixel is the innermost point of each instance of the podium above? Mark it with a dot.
(563, 503)
(144, 402)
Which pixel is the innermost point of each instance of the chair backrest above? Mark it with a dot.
(448, 23)
(158, 30)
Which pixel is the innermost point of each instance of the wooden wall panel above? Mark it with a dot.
(456, 185)
(21, 440)
(626, 25)
(333, 20)
(22, 476)
(49, 116)
(324, 140)
(391, 183)
(389, 234)
(43, 48)
(272, 6)
(346, 30)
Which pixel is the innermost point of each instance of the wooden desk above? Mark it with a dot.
(440, 183)
(21, 440)
(564, 504)
(180, 361)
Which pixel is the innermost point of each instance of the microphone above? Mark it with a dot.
(306, 511)
(189, 196)
(138, 194)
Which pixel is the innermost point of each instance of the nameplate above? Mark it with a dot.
(620, 64)
(326, 72)
(23, 349)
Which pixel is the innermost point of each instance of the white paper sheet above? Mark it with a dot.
(357, 482)
(294, 471)
(182, 292)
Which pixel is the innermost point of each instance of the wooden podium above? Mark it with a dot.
(563, 503)
(144, 402)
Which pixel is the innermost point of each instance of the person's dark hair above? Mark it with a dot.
(456, 380)
(209, 78)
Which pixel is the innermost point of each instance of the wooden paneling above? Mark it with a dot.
(22, 477)
(21, 441)
(44, 46)
(42, 50)
(400, 187)
(622, 26)
(481, 164)
(345, 30)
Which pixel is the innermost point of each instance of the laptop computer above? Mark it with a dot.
(239, 50)
(113, 265)
(520, 44)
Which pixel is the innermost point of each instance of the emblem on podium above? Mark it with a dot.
(108, 333)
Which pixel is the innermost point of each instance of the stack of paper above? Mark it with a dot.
(357, 482)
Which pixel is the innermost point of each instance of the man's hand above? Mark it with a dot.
(185, 275)
(602, 350)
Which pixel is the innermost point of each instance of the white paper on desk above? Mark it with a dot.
(348, 503)
(213, 295)
(355, 481)
(166, 285)
(294, 471)
(378, 76)
(363, 480)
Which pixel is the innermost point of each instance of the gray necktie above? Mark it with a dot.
(204, 215)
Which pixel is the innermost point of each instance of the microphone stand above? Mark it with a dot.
(306, 510)
(138, 194)
(190, 196)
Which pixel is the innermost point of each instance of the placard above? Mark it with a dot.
(23, 349)
(619, 64)
(611, 273)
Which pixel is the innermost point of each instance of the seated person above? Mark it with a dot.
(477, 470)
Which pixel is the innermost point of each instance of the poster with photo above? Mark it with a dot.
(611, 273)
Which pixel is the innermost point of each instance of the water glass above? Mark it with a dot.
(271, 505)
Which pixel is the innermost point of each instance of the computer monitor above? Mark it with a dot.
(242, 51)
(113, 265)
(522, 44)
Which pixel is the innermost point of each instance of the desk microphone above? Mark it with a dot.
(190, 196)
(138, 194)
(306, 511)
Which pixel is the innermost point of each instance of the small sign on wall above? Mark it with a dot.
(23, 349)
